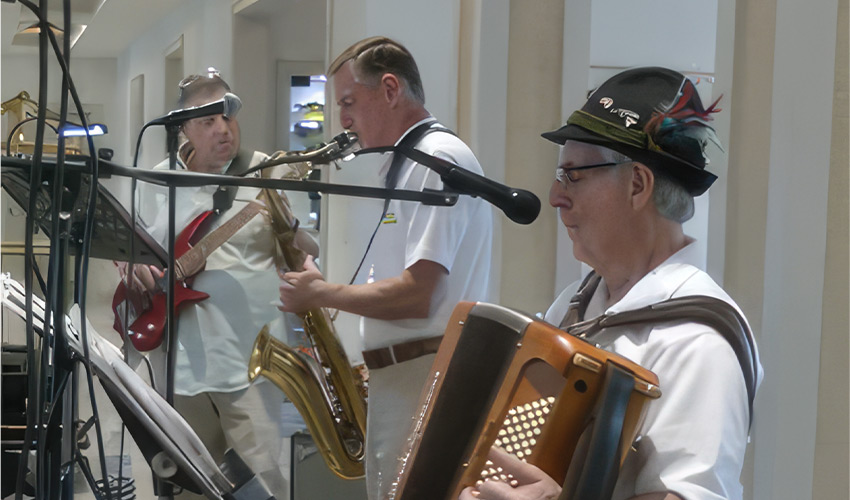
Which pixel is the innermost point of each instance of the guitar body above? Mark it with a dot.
(147, 324)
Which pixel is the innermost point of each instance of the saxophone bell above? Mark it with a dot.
(335, 416)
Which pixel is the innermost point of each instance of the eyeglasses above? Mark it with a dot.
(189, 80)
(565, 175)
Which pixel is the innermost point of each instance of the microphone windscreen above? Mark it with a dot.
(232, 105)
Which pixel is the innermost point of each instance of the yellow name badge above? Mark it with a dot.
(389, 219)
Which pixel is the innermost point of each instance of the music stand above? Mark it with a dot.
(173, 450)
(113, 227)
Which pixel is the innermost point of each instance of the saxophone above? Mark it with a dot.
(325, 389)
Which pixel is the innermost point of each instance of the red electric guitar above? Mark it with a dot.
(147, 324)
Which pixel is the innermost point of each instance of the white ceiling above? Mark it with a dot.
(111, 24)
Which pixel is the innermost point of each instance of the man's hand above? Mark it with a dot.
(408, 295)
(143, 278)
(531, 483)
(301, 291)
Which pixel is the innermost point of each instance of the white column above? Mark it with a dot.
(800, 121)
(575, 84)
(486, 96)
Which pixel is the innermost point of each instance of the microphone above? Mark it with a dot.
(228, 106)
(519, 205)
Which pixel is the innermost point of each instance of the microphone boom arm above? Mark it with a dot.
(519, 205)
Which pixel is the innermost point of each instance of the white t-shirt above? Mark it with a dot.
(216, 336)
(459, 238)
(694, 436)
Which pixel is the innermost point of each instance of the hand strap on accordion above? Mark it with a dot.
(601, 467)
(709, 311)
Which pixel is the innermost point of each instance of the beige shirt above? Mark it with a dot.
(216, 336)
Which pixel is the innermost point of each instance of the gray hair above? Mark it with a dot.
(671, 199)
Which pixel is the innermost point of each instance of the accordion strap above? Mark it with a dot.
(709, 311)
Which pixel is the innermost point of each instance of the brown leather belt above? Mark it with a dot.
(399, 353)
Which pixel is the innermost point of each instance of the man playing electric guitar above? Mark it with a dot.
(216, 334)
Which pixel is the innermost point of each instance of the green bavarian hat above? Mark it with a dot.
(652, 115)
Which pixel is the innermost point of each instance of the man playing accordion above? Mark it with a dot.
(632, 160)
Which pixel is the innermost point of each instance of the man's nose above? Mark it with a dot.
(222, 125)
(344, 119)
(558, 194)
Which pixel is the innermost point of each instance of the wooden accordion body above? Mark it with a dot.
(502, 378)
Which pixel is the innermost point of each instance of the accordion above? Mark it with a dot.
(554, 400)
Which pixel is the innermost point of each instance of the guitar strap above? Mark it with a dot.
(224, 195)
(709, 311)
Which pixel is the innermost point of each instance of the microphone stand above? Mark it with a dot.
(172, 135)
(172, 132)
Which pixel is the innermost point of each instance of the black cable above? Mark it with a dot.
(41, 284)
(369, 245)
(82, 269)
(34, 408)
(52, 298)
(19, 125)
(88, 475)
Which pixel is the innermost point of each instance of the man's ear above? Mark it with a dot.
(642, 184)
(391, 88)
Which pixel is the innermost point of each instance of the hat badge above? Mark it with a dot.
(629, 116)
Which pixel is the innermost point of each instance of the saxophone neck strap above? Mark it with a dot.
(709, 311)
(400, 151)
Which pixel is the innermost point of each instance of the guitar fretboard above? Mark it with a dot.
(193, 260)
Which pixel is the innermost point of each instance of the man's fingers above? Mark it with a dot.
(310, 264)
(496, 490)
(156, 271)
(469, 493)
(522, 471)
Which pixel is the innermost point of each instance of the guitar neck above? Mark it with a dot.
(193, 260)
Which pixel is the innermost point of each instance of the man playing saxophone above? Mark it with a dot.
(422, 261)
(216, 335)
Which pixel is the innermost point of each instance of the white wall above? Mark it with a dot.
(264, 34)
(483, 100)
(94, 80)
(795, 248)
(201, 48)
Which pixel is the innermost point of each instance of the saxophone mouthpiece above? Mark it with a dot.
(346, 144)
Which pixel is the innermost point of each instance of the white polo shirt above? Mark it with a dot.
(694, 436)
(459, 238)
